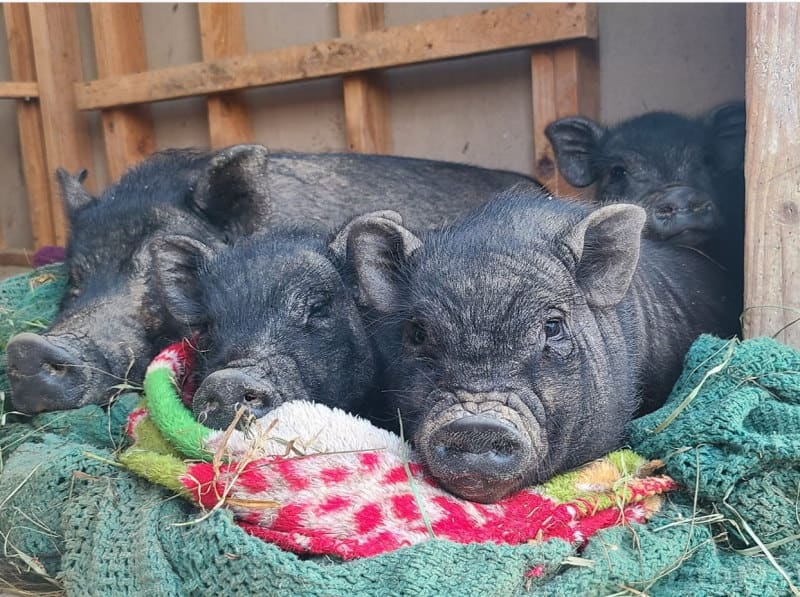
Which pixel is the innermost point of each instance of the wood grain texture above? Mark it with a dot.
(54, 29)
(366, 100)
(128, 133)
(772, 173)
(565, 83)
(19, 89)
(29, 120)
(504, 28)
(222, 36)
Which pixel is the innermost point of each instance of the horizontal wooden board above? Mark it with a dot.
(18, 89)
(493, 30)
(16, 257)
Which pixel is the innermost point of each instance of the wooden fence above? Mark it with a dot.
(52, 100)
(47, 80)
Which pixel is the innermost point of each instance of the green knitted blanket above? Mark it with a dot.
(728, 434)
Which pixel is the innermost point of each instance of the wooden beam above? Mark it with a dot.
(16, 257)
(565, 83)
(29, 119)
(222, 36)
(54, 29)
(772, 173)
(504, 28)
(366, 101)
(119, 49)
(19, 89)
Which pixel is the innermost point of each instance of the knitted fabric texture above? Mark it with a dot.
(67, 510)
(314, 479)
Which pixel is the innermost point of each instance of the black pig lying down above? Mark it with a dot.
(109, 326)
(688, 173)
(519, 342)
(276, 319)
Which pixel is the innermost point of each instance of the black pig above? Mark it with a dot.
(687, 173)
(520, 341)
(109, 327)
(276, 317)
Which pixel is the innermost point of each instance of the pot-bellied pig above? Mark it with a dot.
(109, 326)
(276, 320)
(687, 173)
(518, 342)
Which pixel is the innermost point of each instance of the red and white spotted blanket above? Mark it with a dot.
(312, 479)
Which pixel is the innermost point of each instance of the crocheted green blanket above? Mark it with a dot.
(728, 434)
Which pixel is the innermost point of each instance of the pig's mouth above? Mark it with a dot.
(690, 237)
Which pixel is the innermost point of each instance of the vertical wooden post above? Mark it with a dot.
(366, 103)
(29, 117)
(565, 83)
(119, 49)
(222, 36)
(54, 30)
(772, 173)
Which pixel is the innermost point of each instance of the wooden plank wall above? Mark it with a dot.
(222, 36)
(31, 129)
(564, 79)
(772, 173)
(119, 50)
(54, 30)
(366, 102)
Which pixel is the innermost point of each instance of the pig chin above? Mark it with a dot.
(482, 451)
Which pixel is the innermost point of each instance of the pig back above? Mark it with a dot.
(677, 294)
(331, 188)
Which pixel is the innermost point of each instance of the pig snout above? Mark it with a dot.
(478, 457)
(223, 392)
(681, 213)
(43, 376)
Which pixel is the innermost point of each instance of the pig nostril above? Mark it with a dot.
(665, 211)
(253, 399)
(55, 368)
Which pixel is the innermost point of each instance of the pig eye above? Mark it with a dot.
(319, 307)
(554, 328)
(416, 332)
(617, 173)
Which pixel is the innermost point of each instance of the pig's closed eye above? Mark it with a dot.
(319, 307)
(416, 332)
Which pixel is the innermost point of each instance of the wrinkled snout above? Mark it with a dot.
(222, 393)
(43, 376)
(479, 458)
(684, 215)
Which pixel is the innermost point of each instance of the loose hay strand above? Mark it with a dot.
(412, 483)
(731, 344)
(764, 549)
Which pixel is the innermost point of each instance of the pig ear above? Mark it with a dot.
(339, 243)
(378, 248)
(726, 127)
(606, 247)
(73, 193)
(574, 142)
(233, 190)
(176, 262)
